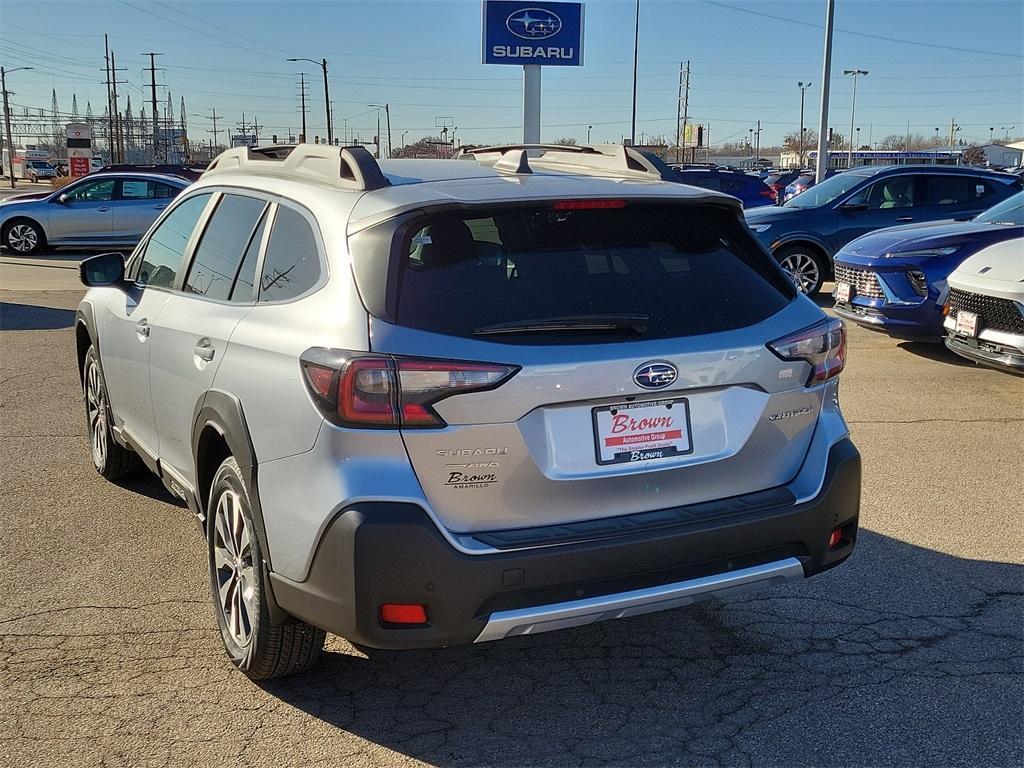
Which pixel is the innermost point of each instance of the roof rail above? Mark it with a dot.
(347, 167)
(594, 160)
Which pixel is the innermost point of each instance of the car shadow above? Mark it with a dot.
(29, 317)
(903, 655)
(935, 350)
(149, 485)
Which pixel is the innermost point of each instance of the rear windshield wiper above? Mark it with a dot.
(573, 323)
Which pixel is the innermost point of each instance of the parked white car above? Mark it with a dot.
(985, 309)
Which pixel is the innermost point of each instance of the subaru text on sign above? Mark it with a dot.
(521, 33)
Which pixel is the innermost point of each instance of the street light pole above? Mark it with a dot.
(7, 120)
(636, 44)
(803, 87)
(327, 94)
(853, 109)
(826, 74)
(589, 128)
(387, 115)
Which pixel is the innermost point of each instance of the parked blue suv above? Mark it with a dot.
(806, 232)
(895, 280)
(751, 191)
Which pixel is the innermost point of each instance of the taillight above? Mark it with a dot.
(823, 346)
(767, 192)
(387, 392)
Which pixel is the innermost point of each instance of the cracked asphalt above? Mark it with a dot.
(909, 654)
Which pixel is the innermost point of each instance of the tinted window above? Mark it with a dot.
(956, 190)
(143, 189)
(689, 274)
(292, 263)
(702, 180)
(166, 247)
(894, 192)
(220, 250)
(92, 192)
(242, 289)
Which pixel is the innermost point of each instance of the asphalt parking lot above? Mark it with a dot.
(909, 654)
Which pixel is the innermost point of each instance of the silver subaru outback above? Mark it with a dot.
(421, 403)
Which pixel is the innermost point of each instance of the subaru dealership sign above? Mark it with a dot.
(527, 33)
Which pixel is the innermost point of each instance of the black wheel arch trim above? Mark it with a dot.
(223, 412)
(85, 316)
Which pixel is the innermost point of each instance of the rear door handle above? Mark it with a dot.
(142, 329)
(159, 207)
(905, 218)
(204, 350)
(104, 209)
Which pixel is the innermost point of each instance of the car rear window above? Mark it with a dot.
(690, 270)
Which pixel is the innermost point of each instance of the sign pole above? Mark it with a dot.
(531, 103)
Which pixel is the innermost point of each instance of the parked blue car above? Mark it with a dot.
(895, 280)
(806, 233)
(751, 191)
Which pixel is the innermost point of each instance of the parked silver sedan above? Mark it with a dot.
(101, 210)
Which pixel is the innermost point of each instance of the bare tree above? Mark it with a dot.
(566, 141)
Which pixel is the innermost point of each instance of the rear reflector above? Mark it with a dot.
(835, 538)
(585, 205)
(402, 613)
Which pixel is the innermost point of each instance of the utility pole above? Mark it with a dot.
(111, 148)
(826, 74)
(679, 107)
(387, 114)
(803, 87)
(215, 132)
(757, 144)
(152, 85)
(853, 111)
(952, 132)
(7, 123)
(636, 46)
(302, 99)
(118, 133)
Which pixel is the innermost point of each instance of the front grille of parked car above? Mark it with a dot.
(864, 283)
(995, 313)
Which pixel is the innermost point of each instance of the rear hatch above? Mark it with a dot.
(635, 333)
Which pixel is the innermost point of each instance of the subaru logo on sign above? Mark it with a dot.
(655, 375)
(533, 23)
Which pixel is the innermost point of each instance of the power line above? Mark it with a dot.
(862, 34)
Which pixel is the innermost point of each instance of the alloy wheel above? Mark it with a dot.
(22, 238)
(96, 410)
(233, 568)
(802, 270)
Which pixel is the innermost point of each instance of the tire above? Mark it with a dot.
(804, 265)
(23, 237)
(238, 588)
(111, 459)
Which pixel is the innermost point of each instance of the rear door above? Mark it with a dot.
(138, 203)
(655, 390)
(957, 196)
(191, 332)
(84, 213)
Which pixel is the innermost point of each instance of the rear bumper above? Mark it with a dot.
(376, 553)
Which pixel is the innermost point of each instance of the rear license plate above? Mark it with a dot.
(643, 431)
(967, 323)
(844, 292)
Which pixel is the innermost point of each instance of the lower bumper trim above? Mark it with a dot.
(544, 618)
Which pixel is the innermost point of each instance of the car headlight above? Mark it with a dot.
(922, 254)
(760, 227)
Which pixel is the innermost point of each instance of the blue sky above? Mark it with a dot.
(423, 58)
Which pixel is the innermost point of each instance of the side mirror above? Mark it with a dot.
(63, 198)
(104, 270)
(854, 205)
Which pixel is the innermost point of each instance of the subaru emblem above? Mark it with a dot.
(533, 23)
(655, 375)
